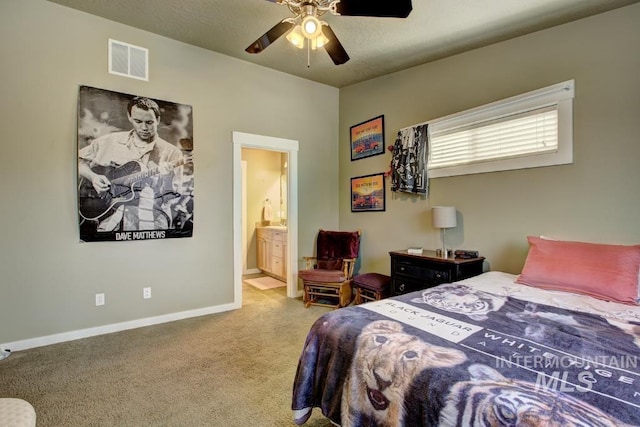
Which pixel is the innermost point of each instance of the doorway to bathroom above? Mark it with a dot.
(264, 209)
(270, 205)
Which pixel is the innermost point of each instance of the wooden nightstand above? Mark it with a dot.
(415, 272)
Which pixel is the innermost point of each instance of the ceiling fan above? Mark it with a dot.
(306, 25)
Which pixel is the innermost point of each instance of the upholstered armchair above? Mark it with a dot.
(327, 276)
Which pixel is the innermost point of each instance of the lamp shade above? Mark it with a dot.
(444, 216)
(296, 37)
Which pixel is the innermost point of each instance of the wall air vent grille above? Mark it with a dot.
(128, 60)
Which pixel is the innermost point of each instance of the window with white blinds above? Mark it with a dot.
(529, 130)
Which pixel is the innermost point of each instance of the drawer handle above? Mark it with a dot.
(401, 268)
(438, 275)
(401, 287)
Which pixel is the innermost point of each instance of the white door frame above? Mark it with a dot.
(246, 140)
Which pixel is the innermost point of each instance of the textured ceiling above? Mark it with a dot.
(377, 46)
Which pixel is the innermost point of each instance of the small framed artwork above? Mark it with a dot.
(367, 138)
(368, 193)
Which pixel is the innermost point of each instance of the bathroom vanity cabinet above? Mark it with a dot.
(272, 251)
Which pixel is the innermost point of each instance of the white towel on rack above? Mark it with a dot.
(267, 213)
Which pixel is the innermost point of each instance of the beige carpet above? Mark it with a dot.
(266, 282)
(228, 369)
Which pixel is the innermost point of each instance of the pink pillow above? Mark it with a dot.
(608, 272)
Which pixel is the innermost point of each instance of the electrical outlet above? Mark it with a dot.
(99, 299)
(146, 293)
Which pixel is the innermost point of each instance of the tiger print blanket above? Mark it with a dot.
(456, 356)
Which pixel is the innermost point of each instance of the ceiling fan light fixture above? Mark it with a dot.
(296, 37)
(305, 23)
(311, 27)
(319, 41)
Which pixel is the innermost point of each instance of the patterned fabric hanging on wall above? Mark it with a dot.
(409, 161)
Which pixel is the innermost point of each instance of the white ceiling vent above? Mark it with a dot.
(128, 60)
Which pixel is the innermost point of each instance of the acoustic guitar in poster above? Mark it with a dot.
(126, 181)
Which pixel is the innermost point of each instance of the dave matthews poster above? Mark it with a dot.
(135, 168)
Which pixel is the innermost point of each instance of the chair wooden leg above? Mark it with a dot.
(306, 298)
(316, 294)
(345, 294)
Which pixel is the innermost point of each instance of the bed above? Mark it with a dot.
(485, 351)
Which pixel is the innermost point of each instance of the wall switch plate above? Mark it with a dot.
(99, 299)
(146, 293)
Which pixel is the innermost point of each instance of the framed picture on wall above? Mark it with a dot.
(367, 138)
(368, 193)
(135, 167)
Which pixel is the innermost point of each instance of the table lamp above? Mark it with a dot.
(443, 217)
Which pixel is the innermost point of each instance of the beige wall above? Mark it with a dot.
(49, 279)
(594, 199)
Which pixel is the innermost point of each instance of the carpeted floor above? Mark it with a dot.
(228, 369)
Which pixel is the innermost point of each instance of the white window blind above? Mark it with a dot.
(529, 130)
(522, 134)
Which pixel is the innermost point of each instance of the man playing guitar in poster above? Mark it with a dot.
(131, 180)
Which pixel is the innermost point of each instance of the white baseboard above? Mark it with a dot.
(116, 327)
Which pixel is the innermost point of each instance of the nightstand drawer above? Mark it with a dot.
(421, 272)
(401, 285)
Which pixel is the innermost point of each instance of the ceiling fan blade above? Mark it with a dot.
(333, 47)
(269, 37)
(377, 8)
